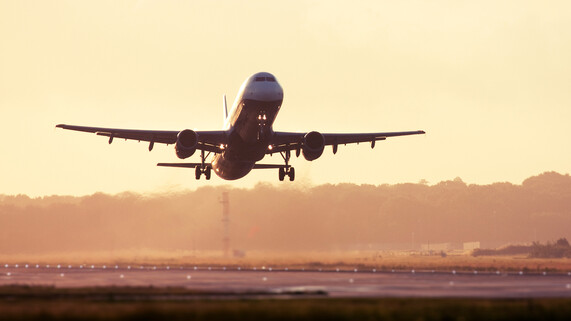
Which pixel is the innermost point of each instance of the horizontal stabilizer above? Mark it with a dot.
(184, 165)
(269, 166)
(193, 165)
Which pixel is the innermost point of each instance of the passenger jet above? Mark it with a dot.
(247, 136)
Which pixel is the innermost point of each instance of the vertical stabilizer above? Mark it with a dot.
(224, 110)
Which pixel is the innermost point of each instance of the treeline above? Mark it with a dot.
(558, 249)
(507, 250)
(289, 218)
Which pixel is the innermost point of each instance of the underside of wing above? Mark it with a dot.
(333, 139)
(207, 140)
(157, 136)
(284, 141)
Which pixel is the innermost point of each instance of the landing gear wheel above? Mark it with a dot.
(291, 174)
(207, 173)
(281, 174)
(197, 172)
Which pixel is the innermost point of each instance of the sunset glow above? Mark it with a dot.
(488, 81)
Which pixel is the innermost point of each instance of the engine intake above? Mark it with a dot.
(313, 144)
(186, 142)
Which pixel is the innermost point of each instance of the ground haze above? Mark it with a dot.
(329, 222)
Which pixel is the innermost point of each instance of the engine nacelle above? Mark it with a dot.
(186, 142)
(313, 144)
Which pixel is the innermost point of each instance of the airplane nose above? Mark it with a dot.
(264, 91)
(262, 86)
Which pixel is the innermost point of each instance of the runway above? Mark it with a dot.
(269, 281)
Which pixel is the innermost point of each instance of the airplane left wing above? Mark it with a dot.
(207, 140)
(284, 141)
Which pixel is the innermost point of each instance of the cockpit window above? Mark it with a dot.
(271, 79)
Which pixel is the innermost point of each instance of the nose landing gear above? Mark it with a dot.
(262, 118)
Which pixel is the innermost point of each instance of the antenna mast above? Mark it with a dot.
(226, 221)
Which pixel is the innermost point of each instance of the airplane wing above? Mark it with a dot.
(209, 141)
(284, 141)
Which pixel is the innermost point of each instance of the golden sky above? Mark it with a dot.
(488, 80)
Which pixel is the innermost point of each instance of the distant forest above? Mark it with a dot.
(284, 217)
(558, 249)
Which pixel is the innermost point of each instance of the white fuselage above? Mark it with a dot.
(249, 126)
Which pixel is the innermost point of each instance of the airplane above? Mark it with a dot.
(247, 136)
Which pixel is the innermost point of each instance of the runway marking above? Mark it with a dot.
(270, 269)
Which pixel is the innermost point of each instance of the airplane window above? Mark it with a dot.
(270, 79)
(260, 79)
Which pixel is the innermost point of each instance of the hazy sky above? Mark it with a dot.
(489, 81)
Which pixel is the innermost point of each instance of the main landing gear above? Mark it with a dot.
(287, 169)
(199, 171)
(203, 168)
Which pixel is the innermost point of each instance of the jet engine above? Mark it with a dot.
(186, 142)
(312, 146)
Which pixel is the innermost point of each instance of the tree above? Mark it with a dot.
(562, 242)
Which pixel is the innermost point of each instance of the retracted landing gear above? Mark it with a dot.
(287, 169)
(203, 168)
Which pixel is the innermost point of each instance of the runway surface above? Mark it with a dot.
(271, 281)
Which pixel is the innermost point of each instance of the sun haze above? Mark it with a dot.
(488, 81)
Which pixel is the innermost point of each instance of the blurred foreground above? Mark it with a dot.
(81, 307)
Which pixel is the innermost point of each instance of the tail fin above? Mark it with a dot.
(224, 110)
